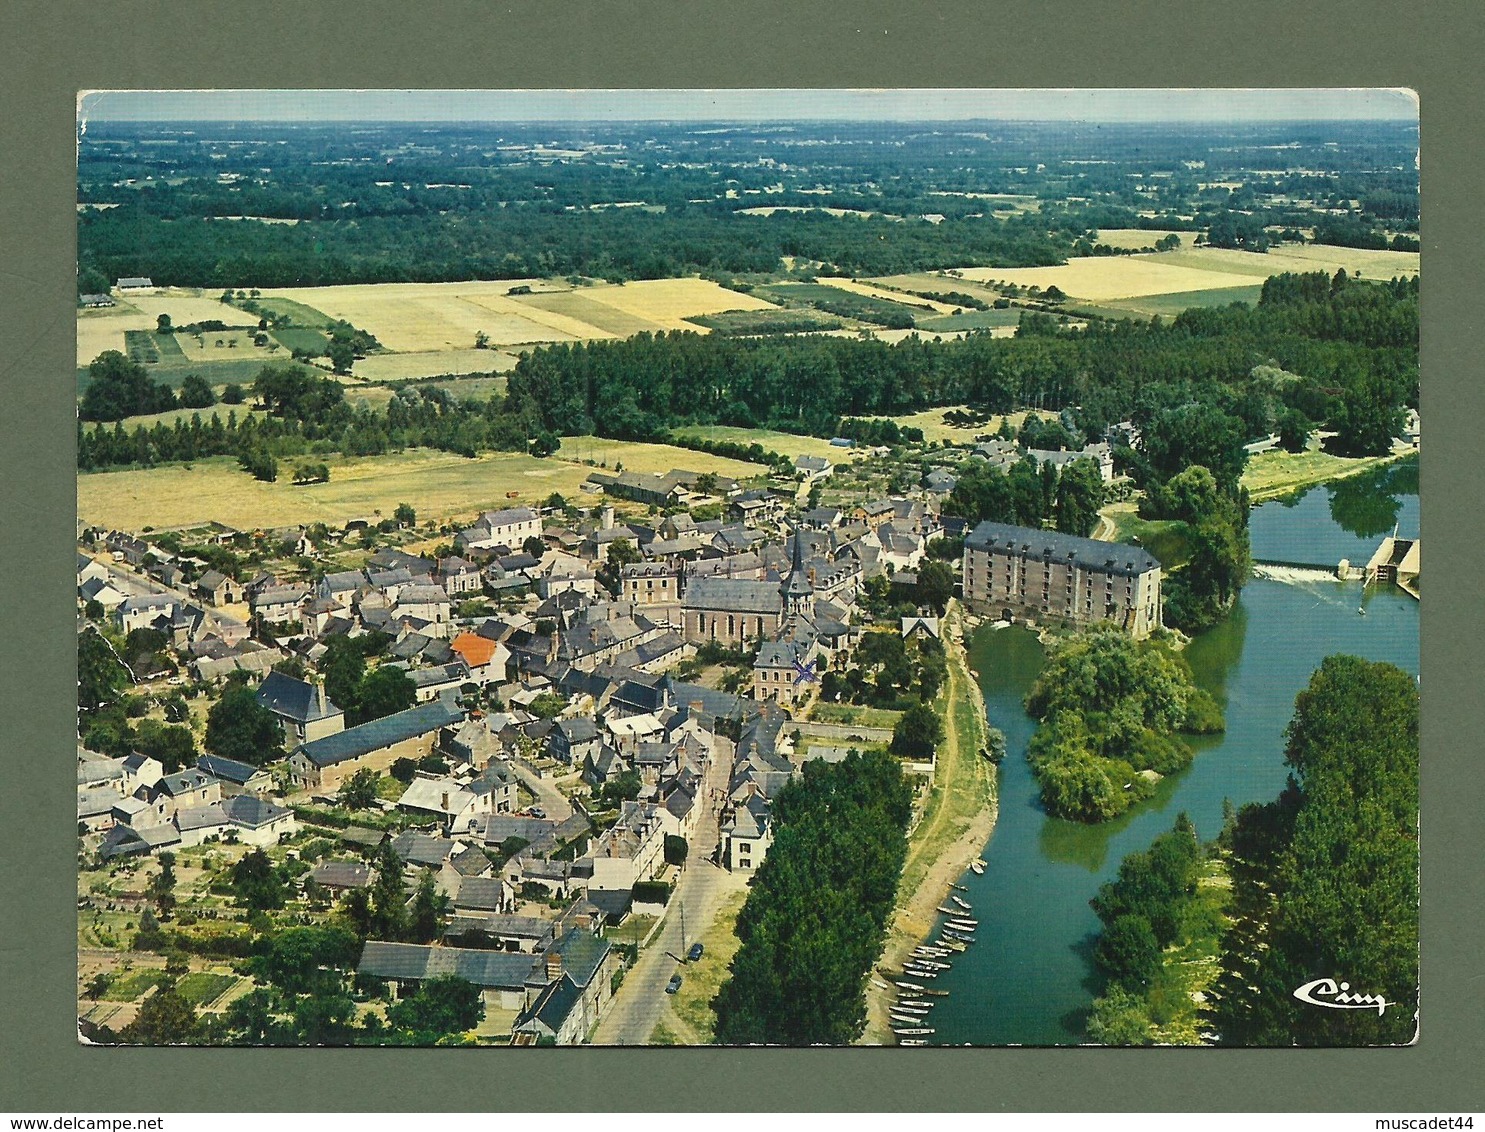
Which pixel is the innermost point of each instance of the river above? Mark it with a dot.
(1028, 979)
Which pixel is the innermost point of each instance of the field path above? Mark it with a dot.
(955, 824)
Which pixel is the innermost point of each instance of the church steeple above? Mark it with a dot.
(797, 592)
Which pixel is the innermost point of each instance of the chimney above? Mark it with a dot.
(444, 803)
(607, 519)
(554, 965)
(320, 695)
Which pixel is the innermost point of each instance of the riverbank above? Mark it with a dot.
(1277, 474)
(956, 821)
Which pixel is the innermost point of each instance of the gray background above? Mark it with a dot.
(51, 50)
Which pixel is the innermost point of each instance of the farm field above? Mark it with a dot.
(423, 317)
(412, 317)
(973, 320)
(923, 307)
(667, 303)
(438, 484)
(650, 458)
(1137, 238)
(103, 328)
(301, 338)
(1115, 277)
(1300, 257)
(787, 443)
(774, 320)
(239, 370)
(838, 301)
(432, 363)
(1109, 279)
(934, 427)
(1168, 306)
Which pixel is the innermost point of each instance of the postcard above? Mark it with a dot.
(904, 568)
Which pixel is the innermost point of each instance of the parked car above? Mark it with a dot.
(674, 984)
(695, 953)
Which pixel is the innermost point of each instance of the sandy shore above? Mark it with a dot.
(915, 915)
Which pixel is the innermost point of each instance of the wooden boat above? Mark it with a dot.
(923, 974)
(961, 924)
(958, 888)
(913, 1042)
(962, 903)
(908, 986)
(978, 866)
(910, 1011)
(936, 993)
(935, 965)
(879, 984)
(910, 1030)
(965, 939)
(946, 911)
(920, 1003)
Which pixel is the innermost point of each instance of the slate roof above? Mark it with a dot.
(250, 812)
(1091, 554)
(481, 894)
(733, 595)
(578, 729)
(422, 848)
(183, 781)
(551, 1007)
(342, 874)
(200, 817)
(294, 699)
(503, 969)
(378, 733)
(582, 954)
(228, 770)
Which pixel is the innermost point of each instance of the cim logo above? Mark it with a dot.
(1333, 996)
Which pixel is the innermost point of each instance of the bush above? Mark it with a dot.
(652, 892)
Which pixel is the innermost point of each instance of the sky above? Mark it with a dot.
(747, 105)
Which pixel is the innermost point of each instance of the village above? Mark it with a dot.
(597, 706)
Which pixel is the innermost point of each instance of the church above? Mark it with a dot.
(737, 612)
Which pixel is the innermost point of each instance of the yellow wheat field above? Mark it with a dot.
(439, 485)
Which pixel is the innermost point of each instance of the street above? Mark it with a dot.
(641, 999)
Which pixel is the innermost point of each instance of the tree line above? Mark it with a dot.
(816, 917)
(1325, 877)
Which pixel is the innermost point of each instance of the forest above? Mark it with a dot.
(1325, 877)
(390, 203)
(816, 917)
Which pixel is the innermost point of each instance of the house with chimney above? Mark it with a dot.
(302, 708)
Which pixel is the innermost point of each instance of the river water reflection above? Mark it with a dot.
(1028, 980)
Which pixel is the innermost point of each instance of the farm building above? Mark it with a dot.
(136, 283)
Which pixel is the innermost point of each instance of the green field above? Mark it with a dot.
(1168, 306)
(972, 320)
(796, 321)
(846, 304)
(299, 314)
(131, 986)
(784, 442)
(201, 987)
(300, 338)
(241, 371)
(150, 346)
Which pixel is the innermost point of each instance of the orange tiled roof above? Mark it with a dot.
(475, 649)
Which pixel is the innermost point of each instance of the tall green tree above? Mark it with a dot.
(1080, 493)
(239, 727)
(1326, 877)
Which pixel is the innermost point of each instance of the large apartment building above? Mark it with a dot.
(1016, 572)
